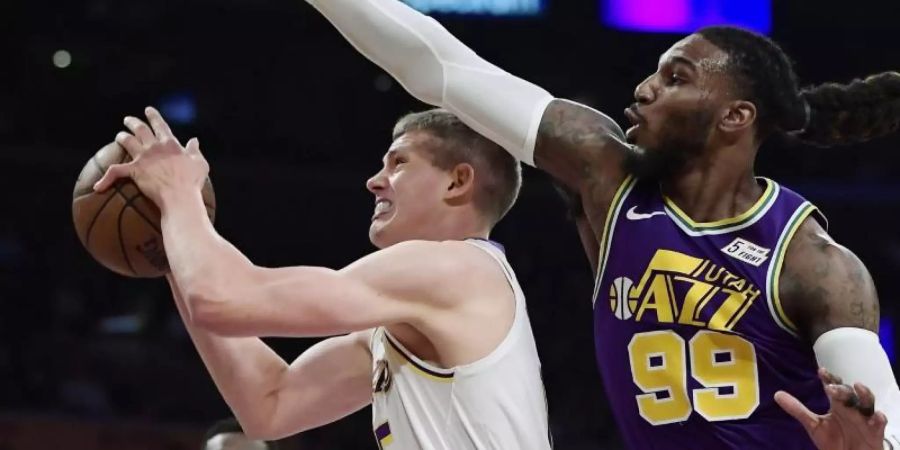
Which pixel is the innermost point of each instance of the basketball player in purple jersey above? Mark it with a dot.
(719, 294)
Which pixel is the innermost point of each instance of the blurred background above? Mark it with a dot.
(293, 121)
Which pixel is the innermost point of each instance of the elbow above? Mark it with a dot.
(423, 76)
(269, 431)
(260, 431)
(427, 89)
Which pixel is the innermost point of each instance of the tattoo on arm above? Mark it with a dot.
(825, 286)
(576, 142)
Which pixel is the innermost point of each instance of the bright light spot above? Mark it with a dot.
(486, 7)
(62, 59)
(886, 336)
(686, 16)
(179, 108)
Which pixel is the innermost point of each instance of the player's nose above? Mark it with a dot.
(377, 182)
(644, 93)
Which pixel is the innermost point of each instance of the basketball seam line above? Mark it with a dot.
(119, 234)
(90, 190)
(87, 235)
(129, 202)
(100, 169)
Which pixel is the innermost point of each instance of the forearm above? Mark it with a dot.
(204, 265)
(438, 69)
(245, 370)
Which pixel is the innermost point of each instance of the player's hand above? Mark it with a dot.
(851, 422)
(160, 164)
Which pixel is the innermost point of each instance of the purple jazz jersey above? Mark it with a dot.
(690, 335)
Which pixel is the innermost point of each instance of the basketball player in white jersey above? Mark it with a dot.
(435, 333)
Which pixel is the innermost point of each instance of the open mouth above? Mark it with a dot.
(382, 207)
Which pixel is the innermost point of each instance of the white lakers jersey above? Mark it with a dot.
(497, 402)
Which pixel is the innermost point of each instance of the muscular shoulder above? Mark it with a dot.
(428, 271)
(824, 285)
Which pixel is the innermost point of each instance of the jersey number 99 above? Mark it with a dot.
(724, 364)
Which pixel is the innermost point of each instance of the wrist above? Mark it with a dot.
(178, 197)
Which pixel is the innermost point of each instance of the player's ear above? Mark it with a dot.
(461, 185)
(738, 115)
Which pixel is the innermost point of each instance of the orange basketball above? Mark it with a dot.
(120, 227)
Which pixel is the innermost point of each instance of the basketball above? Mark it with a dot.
(120, 227)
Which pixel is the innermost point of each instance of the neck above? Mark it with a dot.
(719, 185)
(457, 227)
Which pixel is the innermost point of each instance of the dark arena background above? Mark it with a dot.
(293, 121)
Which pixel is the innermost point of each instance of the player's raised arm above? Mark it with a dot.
(560, 137)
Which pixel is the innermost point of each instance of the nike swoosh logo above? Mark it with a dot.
(633, 215)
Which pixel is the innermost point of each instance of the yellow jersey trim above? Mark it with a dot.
(794, 224)
(767, 197)
(608, 227)
(418, 367)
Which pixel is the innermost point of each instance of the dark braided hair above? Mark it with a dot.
(825, 115)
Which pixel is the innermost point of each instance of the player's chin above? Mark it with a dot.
(643, 141)
(380, 233)
(642, 137)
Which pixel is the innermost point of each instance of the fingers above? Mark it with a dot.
(856, 405)
(879, 422)
(140, 130)
(130, 143)
(842, 394)
(113, 173)
(866, 404)
(193, 146)
(858, 396)
(828, 377)
(144, 135)
(160, 127)
(797, 410)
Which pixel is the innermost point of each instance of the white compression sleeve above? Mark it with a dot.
(438, 69)
(855, 355)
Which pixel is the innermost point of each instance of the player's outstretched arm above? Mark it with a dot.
(829, 295)
(572, 142)
(229, 296)
(273, 399)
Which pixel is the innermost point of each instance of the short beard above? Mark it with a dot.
(682, 139)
